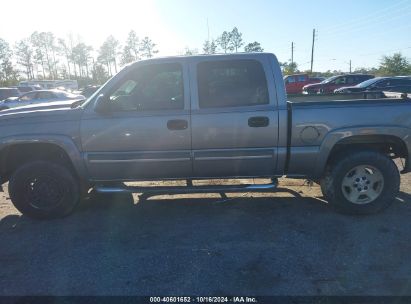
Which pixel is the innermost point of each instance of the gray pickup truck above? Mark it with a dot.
(203, 117)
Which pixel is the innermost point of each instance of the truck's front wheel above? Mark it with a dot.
(363, 182)
(44, 190)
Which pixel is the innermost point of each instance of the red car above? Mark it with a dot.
(335, 82)
(294, 83)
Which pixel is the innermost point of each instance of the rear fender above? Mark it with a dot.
(334, 137)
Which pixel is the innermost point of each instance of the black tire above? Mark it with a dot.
(332, 182)
(44, 190)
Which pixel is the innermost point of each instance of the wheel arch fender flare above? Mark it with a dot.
(66, 143)
(337, 136)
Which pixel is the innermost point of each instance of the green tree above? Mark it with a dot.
(236, 39)
(126, 56)
(224, 41)
(64, 49)
(81, 57)
(52, 47)
(108, 53)
(394, 65)
(7, 74)
(113, 45)
(253, 47)
(189, 52)
(24, 56)
(131, 50)
(209, 47)
(104, 58)
(289, 68)
(39, 57)
(148, 48)
(362, 70)
(99, 73)
(44, 42)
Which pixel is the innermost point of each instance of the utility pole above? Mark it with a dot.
(312, 51)
(292, 53)
(350, 66)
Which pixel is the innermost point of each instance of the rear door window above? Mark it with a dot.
(231, 83)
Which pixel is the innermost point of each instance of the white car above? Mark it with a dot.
(37, 97)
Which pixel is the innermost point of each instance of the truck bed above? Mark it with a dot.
(315, 124)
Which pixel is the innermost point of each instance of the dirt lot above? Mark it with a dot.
(285, 243)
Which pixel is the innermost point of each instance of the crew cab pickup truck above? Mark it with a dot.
(202, 117)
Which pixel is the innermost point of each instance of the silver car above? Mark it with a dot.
(37, 97)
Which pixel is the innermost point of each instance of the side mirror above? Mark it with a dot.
(103, 104)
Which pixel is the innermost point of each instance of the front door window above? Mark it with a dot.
(150, 88)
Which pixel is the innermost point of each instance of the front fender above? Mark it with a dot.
(64, 142)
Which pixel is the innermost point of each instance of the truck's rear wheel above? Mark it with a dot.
(363, 182)
(44, 190)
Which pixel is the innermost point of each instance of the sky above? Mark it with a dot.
(358, 30)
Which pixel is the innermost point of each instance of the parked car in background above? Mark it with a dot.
(89, 90)
(8, 92)
(390, 84)
(26, 89)
(295, 83)
(37, 97)
(335, 82)
(68, 84)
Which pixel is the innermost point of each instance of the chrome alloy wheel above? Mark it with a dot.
(362, 184)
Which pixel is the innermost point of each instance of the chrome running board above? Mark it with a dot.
(188, 189)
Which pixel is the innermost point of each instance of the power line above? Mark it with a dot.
(385, 51)
(369, 37)
(364, 18)
(370, 26)
(383, 13)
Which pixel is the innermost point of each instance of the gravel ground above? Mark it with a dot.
(285, 243)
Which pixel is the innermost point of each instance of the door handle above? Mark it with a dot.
(177, 124)
(258, 122)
